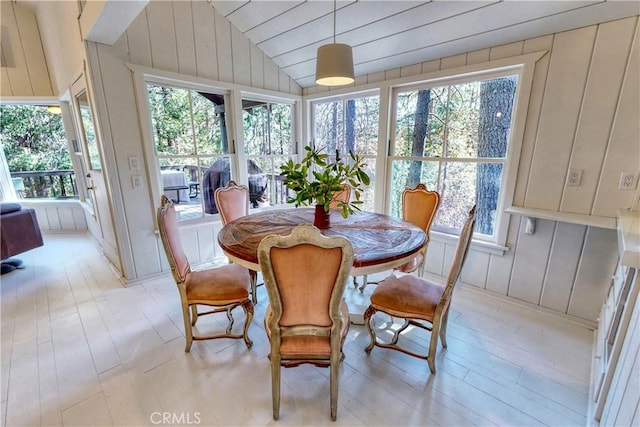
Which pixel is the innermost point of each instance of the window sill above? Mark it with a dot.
(49, 202)
(477, 245)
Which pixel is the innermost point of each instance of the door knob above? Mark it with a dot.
(90, 187)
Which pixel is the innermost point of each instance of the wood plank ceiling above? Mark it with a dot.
(390, 34)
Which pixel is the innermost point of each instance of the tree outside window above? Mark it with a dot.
(268, 143)
(35, 146)
(189, 131)
(454, 138)
(350, 124)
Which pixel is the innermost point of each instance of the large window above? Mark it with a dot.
(268, 143)
(455, 139)
(350, 124)
(35, 147)
(189, 131)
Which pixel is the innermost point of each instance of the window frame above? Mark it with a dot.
(295, 146)
(310, 105)
(521, 65)
(233, 104)
(7, 189)
(454, 80)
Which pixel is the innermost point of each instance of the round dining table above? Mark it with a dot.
(380, 242)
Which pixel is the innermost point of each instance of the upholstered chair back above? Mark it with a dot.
(419, 206)
(232, 201)
(462, 249)
(340, 196)
(168, 225)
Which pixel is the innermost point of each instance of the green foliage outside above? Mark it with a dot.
(33, 139)
(458, 134)
(184, 122)
(350, 125)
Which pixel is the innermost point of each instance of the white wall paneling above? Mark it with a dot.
(24, 67)
(185, 45)
(530, 261)
(179, 37)
(162, 33)
(623, 151)
(204, 31)
(567, 74)
(623, 404)
(563, 265)
(606, 74)
(59, 216)
(598, 259)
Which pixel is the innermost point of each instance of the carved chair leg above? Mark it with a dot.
(433, 346)
(275, 383)
(364, 284)
(230, 318)
(397, 333)
(247, 306)
(187, 327)
(194, 314)
(368, 320)
(254, 285)
(333, 385)
(443, 328)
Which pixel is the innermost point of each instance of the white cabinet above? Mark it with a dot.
(616, 340)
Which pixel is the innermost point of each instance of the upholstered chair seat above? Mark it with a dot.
(409, 295)
(222, 289)
(310, 344)
(230, 283)
(419, 302)
(307, 319)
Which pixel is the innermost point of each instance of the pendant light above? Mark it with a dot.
(334, 62)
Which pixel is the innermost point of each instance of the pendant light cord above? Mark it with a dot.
(334, 21)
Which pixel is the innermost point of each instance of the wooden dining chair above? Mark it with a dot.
(224, 288)
(419, 207)
(419, 302)
(341, 196)
(307, 319)
(232, 201)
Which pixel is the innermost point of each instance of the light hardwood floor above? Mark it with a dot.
(80, 349)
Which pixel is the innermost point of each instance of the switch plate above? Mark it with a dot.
(628, 181)
(134, 163)
(136, 182)
(575, 177)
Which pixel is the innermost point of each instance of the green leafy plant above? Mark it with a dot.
(316, 179)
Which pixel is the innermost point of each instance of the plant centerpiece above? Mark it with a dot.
(315, 181)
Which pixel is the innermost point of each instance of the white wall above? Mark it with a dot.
(62, 216)
(583, 113)
(24, 67)
(182, 37)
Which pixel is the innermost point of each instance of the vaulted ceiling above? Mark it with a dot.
(389, 34)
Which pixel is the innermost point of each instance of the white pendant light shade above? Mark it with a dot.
(334, 65)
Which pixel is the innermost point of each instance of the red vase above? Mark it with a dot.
(321, 218)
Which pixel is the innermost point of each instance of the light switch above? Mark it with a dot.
(134, 163)
(136, 181)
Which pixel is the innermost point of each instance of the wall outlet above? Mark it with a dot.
(628, 181)
(575, 177)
